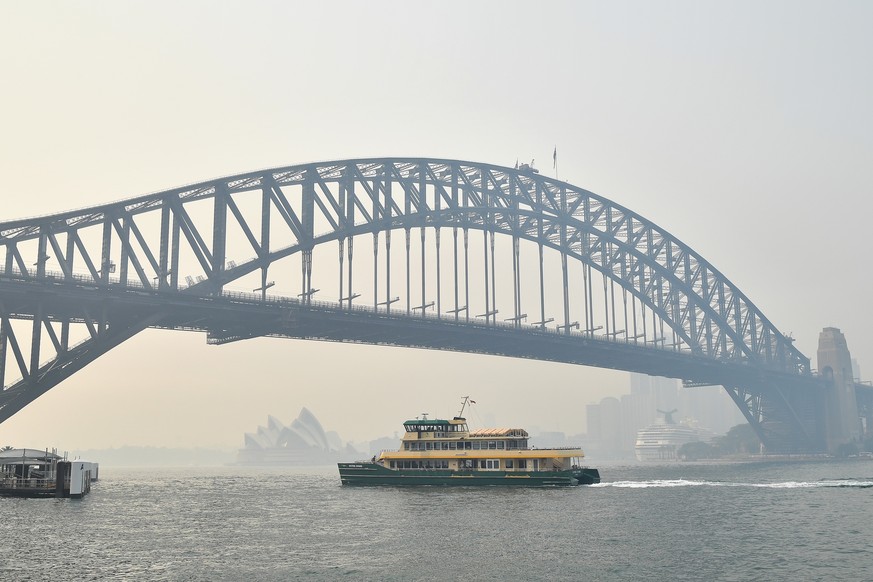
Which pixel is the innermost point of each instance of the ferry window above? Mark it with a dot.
(509, 463)
(492, 464)
(428, 445)
(492, 445)
(500, 444)
(522, 464)
(392, 465)
(445, 446)
(476, 446)
(482, 464)
(406, 446)
(451, 445)
(467, 445)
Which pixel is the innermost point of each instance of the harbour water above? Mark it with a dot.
(751, 521)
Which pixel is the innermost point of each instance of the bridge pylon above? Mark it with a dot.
(839, 411)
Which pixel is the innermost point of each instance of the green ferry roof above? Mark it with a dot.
(426, 423)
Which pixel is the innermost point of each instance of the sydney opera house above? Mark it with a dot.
(304, 442)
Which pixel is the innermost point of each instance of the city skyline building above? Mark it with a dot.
(613, 423)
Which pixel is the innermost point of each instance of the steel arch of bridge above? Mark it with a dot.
(304, 206)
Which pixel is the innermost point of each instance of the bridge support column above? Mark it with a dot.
(842, 422)
(786, 417)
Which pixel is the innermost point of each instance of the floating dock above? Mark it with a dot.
(44, 473)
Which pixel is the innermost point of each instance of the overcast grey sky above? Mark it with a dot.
(743, 128)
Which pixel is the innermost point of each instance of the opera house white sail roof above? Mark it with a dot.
(304, 441)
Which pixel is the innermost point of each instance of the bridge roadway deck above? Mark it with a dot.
(236, 316)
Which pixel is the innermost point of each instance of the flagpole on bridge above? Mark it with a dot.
(555, 161)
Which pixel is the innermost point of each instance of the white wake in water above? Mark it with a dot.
(666, 483)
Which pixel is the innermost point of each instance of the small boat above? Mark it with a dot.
(446, 452)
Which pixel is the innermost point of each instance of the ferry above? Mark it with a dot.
(447, 452)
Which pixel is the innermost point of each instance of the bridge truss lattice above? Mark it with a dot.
(469, 234)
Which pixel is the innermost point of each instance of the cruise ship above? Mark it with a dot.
(447, 452)
(662, 440)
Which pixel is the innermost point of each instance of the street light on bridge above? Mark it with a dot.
(517, 318)
(349, 299)
(263, 290)
(423, 307)
(308, 294)
(488, 314)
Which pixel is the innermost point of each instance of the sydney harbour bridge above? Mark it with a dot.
(429, 253)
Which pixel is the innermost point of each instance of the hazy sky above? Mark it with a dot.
(743, 128)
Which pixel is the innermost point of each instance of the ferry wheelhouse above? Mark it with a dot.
(446, 452)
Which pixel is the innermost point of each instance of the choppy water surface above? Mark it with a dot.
(759, 521)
